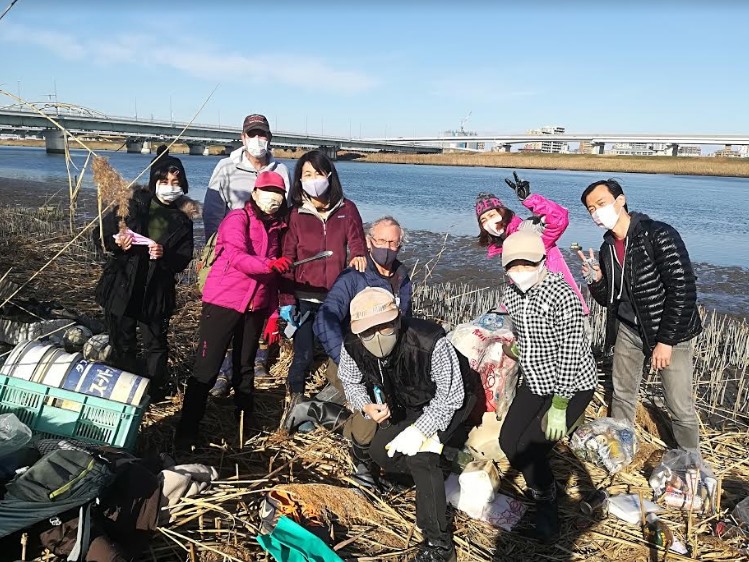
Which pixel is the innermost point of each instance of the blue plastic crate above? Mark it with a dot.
(57, 412)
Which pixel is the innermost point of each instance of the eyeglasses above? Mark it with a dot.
(382, 243)
(383, 329)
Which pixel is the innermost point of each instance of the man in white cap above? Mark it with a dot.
(404, 374)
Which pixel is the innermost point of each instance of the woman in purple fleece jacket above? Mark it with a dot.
(321, 219)
(240, 293)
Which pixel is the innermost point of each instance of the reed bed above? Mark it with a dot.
(222, 524)
(736, 167)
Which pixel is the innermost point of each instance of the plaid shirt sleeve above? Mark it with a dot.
(352, 380)
(449, 395)
(570, 325)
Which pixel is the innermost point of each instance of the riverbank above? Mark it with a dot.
(691, 166)
(728, 167)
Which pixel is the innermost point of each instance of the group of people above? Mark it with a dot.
(410, 393)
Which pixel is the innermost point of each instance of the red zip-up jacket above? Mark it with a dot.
(308, 234)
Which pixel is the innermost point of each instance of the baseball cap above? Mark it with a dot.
(269, 178)
(522, 245)
(256, 122)
(371, 307)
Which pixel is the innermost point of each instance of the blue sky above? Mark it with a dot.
(390, 68)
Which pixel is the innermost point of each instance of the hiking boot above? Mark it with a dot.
(222, 386)
(436, 551)
(546, 529)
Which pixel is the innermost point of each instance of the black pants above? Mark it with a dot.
(424, 468)
(523, 440)
(304, 346)
(122, 338)
(218, 327)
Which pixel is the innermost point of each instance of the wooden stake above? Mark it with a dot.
(241, 430)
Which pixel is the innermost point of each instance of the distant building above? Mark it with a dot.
(632, 149)
(690, 150)
(463, 144)
(744, 151)
(549, 146)
(727, 152)
(586, 147)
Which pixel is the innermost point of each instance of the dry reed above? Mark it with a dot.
(736, 167)
(222, 524)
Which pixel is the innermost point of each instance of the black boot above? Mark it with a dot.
(547, 515)
(327, 414)
(441, 550)
(193, 409)
(365, 471)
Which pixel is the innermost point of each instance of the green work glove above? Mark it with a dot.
(556, 418)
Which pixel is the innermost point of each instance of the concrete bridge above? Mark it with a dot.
(140, 134)
(597, 141)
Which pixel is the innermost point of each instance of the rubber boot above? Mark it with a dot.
(547, 515)
(261, 361)
(193, 410)
(327, 414)
(364, 472)
(441, 550)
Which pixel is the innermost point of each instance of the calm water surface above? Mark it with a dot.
(711, 213)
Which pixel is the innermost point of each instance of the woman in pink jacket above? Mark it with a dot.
(497, 222)
(240, 293)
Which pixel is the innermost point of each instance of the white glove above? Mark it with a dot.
(408, 442)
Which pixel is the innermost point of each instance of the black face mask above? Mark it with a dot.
(383, 256)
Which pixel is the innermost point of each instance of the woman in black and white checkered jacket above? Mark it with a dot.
(557, 366)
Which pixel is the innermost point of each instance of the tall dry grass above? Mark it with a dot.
(735, 167)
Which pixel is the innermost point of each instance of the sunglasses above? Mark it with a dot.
(384, 329)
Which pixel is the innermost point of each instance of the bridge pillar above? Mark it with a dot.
(134, 146)
(597, 148)
(229, 148)
(330, 151)
(54, 141)
(505, 148)
(197, 149)
(146, 147)
(672, 150)
(206, 151)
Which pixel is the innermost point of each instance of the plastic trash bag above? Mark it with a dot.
(684, 481)
(13, 434)
(481, 341)
(608, 443)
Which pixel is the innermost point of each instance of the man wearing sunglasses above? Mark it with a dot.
(404, 374)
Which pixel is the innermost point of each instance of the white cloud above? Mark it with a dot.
(202, 61)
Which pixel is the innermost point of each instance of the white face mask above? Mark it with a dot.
(256, 146)
(268, 201)
(381, 345)
(606, 217)
(492, 229)
(315, 188)
(167, 193)
(525, 280)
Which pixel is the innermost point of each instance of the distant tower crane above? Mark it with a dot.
(463, 122)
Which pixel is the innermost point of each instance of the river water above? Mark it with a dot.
(711, 213)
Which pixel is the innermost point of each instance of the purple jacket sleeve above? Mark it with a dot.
(355, 235)
(556, 217)
(234, 233)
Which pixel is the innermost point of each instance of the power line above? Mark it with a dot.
(12, 3)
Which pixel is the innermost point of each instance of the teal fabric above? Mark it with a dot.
(290, 542)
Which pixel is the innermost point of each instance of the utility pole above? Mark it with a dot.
(19, 88)
(136, 108)
(306, 130)
(171, 114)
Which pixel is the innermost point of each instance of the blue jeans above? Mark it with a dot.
(304, 346)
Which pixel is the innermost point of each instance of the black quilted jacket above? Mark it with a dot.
(660, 278)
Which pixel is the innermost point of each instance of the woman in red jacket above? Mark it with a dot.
(321, 219)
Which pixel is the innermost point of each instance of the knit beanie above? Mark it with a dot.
(486, 202)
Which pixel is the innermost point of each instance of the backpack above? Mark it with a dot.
(60, 481)
(208, 257)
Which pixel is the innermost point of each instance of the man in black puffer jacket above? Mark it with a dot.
(645, 278)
